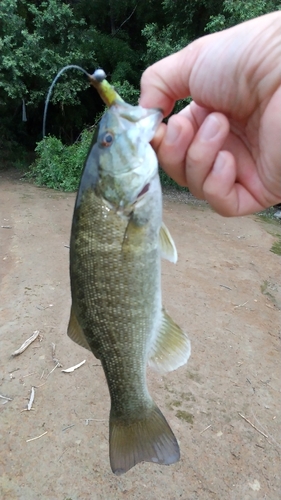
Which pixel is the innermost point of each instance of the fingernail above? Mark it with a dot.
(210, 128)
(173, 132)
(219, 163)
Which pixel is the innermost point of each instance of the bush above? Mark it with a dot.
(59, 166)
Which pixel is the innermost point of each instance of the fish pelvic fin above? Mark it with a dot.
(147, 439)
(75, 332)
(167, 245)
(171, 347)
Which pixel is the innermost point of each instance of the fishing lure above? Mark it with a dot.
(97, 80)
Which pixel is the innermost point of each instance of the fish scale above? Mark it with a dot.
(111, 279)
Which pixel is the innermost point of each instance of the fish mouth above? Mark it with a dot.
(137, 113)
(145, 120)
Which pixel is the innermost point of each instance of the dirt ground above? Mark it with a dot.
(224, 291)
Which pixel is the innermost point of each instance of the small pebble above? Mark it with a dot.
(255, 486)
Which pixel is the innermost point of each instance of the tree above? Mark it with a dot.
(233, 12)
(38, 38)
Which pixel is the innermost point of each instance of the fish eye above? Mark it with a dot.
(107, 139)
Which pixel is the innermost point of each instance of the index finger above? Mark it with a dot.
(167, 81)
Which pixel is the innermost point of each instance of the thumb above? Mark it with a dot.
(166, 81)
(224, 71)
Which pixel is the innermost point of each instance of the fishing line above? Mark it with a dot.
(70, 66)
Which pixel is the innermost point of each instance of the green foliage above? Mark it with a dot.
(123, 37)
(166, 181)
(160, 42)
(127, 91)
(235, 12)
(188, 19)
(37, 39)
(13, 155)
(59, 166)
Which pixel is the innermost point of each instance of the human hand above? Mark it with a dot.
(226, 145)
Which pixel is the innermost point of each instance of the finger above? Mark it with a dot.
(171, 149)
(225, 195)
(204, 150)
(195, 113)
(158, 137)
(168, 80)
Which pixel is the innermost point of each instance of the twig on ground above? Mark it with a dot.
(37, 437)
(225, 286)
(26, 343)
(5, 397)
(241, 305)
(68, 427)
(37, 386)
(230, 331)
(28, 375)
(270, 437)
(206, 429)
(30, 403)
(72, 368)
(87, 420)
(254, 427)
(268, 385)
(58, 364)
(55, 360)
(62, 454)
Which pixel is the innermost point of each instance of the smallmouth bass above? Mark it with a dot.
(117, 241)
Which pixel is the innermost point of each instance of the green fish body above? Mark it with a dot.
(117, 240)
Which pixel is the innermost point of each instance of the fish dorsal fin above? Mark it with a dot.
(171, 347)
(167, 245)
(75, 331)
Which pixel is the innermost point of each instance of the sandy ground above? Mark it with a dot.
(224, 290)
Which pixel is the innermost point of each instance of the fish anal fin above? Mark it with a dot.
(171, 347)
(75, 332)
(141, 440)
(167, 245)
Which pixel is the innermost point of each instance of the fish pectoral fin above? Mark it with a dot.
(171, 347)
(167, 245)
(75, 332)
(147, 438)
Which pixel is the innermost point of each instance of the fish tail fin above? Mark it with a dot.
(147, 439)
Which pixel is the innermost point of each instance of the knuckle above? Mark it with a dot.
(199, 156)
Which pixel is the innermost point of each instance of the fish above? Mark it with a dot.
(117, 241)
